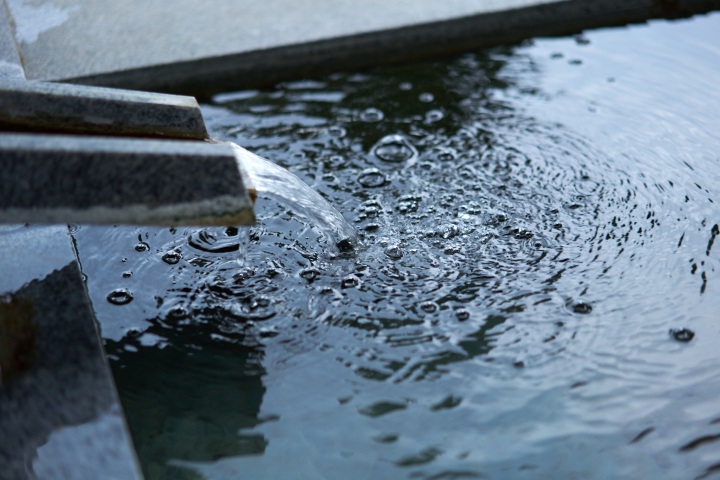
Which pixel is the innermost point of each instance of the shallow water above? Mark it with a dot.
(533, 221)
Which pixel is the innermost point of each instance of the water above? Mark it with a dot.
(533, 292)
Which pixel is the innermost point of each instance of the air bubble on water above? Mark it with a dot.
(394, 252)
(336, 131)
(426, 97)
(582, 308)
(120, 296)
(142, 247)
(127, 274)
(429, 306)
(682, 334)
(372, 178)
(462, 314)
(371, 115)
(395, 149)
(433, 116)
(350, 281)
(310, 274)
(406, 86)
(172, 257)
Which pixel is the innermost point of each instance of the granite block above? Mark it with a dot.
(102, 180)
(66, 108)
(60, 417)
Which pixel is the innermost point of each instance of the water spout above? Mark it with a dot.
(269, 180)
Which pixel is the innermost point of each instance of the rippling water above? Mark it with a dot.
(537, 225)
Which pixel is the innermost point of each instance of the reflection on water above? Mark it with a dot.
(536, 224)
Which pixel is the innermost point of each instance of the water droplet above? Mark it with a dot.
(408, 204)
(434, 116)
(142, 247)
(372, 178)
(426, 97)
(405, 86)
(446, 156)
(127, 274)
(310, 274)
(336, 131)
(133, 332)
(350, 281)
(462, 314)
(682, 334)
(177, 313)
(582, 308)
(372, 115)
(120, 296)
(429, 307)
(172, 257)
(582, 40)
(394, 252)
(575, 61)
(395, 149)
(346, 245)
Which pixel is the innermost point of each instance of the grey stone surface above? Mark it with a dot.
(10, 65)
(197, 47)
(60, 417)
(58, 107)
(77, 179)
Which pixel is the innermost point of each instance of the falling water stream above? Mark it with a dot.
(532, 290)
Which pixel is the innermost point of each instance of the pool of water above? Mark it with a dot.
(534, 294)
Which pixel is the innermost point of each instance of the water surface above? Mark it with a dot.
(534, 223)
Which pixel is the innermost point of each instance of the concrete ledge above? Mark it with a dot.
(76, 179)
(60, 418)
(56, 107)
(200, 49)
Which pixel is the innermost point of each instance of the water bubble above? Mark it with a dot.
(346, 245)
(336, 131)
(142, 247)
(394, 149)
(575, 61)
(405, 86)
(394, 252)
(426, 97)
(682, 334)
(372, 115)
(172, 257)
(133, 332)
(372, 178)
(350, 281)
(127, 274)
(582, 308)
(582, 40)
(429, 307)
(120, 296)
(408, 204)
(310, 274)
(462, 314)
(433, 116)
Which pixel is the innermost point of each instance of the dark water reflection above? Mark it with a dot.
(534, 222)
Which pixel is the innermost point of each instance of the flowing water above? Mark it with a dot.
(533, 292)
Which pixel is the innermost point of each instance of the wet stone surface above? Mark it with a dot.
(505, 311)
